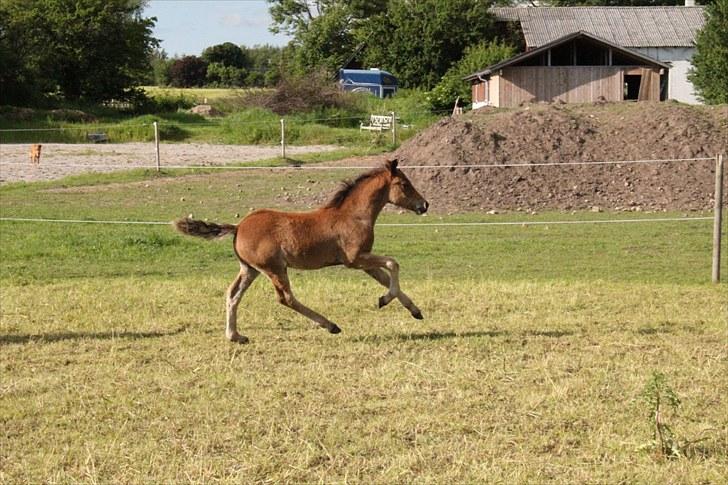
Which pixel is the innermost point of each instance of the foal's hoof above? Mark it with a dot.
(418, 315)
(334, 329)
(241, 339)
(384, 301)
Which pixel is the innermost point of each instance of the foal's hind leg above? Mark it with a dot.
(383, 278)
(285, 297)
(246, 276)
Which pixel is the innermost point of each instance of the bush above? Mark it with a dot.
(312, 92)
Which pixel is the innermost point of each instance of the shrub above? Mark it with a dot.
(315, 91)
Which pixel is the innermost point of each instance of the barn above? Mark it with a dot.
(576, 68)
(579, 54)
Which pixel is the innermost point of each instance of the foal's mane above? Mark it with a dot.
(348, 186)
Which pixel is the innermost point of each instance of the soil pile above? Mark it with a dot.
(551, 133)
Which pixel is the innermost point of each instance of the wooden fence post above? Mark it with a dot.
(156, 143)
(283, 138)
(717, 217)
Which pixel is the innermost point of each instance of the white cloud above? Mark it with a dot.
(237, 20)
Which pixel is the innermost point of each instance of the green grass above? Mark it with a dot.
(528, 368)
(240, 125)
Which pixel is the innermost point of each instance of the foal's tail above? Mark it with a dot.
(207, 230)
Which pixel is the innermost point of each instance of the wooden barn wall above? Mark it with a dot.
(494, 90)
(572, 84)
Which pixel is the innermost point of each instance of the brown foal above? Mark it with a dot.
(341, 232)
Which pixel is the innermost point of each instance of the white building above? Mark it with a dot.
(665, 34)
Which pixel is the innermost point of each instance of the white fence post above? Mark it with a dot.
(156, 143)
(394, 129)
(283, 138)
(717, 217)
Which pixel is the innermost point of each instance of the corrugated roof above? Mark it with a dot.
(625, 26)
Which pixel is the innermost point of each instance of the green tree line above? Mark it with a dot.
(100, 50)
(223, 65)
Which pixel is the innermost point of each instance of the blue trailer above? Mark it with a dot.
(375, 81)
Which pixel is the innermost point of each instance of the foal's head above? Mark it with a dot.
(401, 191)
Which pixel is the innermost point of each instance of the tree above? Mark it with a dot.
(160, 63)
(327, 42)
(324, 31)
(266, 65)
(709, 74)
(475, 58)
(419, 41)
(227, 54)
(294, 16)
(190, 71)
(92, 50)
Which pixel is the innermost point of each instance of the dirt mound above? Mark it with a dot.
(546, 134)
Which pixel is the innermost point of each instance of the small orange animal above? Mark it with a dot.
(35, 154)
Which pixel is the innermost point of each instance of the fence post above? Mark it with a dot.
(394, 129)
(717, 217)
(283, 138)
(156, 143)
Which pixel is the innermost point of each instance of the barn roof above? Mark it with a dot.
(534, 52)
(625, 26)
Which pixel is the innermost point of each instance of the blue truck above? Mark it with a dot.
(375, 81)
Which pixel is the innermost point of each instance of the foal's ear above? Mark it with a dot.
(392, 166)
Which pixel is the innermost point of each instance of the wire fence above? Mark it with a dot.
(392, 224)
(143, 157)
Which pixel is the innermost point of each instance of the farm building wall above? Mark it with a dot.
(678, 88)
(572, 84)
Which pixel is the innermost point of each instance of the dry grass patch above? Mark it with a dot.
(128, 380)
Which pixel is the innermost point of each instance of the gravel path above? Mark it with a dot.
(59, 160)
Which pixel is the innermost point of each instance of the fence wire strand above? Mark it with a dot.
(368, 167)
(390, 224)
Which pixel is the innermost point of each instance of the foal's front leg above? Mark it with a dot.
(383, 278)
(373, 265)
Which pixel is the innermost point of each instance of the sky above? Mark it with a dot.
(186, 27)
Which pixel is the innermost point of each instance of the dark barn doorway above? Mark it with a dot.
(632, 86)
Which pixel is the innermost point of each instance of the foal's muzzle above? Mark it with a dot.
(421, 208)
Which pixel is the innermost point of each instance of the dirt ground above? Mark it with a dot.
(60, 160)
(550, 133)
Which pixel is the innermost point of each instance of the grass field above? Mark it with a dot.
(537, 343)
(239, 124)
